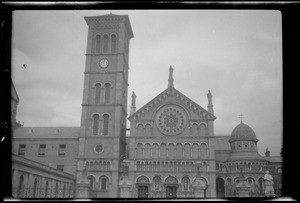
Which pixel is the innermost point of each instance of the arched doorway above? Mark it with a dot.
(220, 183)
(142, 185)
(261, 186)
(171, 185)
(251, 182)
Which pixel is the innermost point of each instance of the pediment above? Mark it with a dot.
(173, 94)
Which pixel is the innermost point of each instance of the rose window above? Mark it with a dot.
(171, 120)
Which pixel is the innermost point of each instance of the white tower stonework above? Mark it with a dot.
(104, 105)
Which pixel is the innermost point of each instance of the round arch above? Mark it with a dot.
(170, 180)
(142, 179)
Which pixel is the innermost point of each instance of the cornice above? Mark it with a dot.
(108, 72)
(45, 138)
(39, 166)
(101, 105)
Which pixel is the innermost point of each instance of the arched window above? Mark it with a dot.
(155, 150)
(163, 151)
(261, 185)
(171, 152)
(105, 124)
(142, 166)
(105, 45)
(140, 150)
(56, 190)
(185, 184)
(195, 150)
(92, 182)
(203, 150)
(95, 124)
(113, 44)
(20, 186)
(107, 87)
(98, 44)
(103, 183)
(187, 150)
(35, 188)
(97, 93)
(46, 189)
(157, 183)
(147, 150)
(202, 130)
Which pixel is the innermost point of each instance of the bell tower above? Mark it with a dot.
(104, 105)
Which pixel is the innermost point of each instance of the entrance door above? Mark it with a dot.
(142, 191)
(220, 187)
(171, 191)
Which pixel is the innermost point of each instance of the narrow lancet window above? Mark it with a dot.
(95, 124)
(105, 124)
(105, 45)
(97, 95)
(98, 44)
(107, 92)
(113, 44)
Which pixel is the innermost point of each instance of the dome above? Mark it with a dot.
(242, 132)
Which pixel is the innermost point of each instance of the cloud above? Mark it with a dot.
(235, 54)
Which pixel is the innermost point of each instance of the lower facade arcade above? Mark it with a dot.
(166, 186)
(226, 185)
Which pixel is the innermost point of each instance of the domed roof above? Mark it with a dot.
(242, 132)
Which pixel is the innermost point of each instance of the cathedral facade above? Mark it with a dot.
(172, 150)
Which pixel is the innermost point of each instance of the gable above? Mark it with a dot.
(172, 96)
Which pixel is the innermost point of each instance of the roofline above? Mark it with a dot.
(18, 99)
(40, 166)
(89, 19)
(140, 109)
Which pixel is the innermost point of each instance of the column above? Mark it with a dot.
(29, 188)
(15, 182)
(52, 191)
(42, 187)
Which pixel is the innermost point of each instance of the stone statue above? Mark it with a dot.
(133, 97)
(171, 80)
(267, 153)
(268, 180)
(209, 96)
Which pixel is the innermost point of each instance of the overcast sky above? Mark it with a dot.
(237, 55)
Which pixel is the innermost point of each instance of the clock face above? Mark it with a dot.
(103, 63)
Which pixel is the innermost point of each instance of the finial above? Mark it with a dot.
(209, 96)
(267, 153)
(210, 105)
(133, 99)
(171, 80)
(241, 116)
